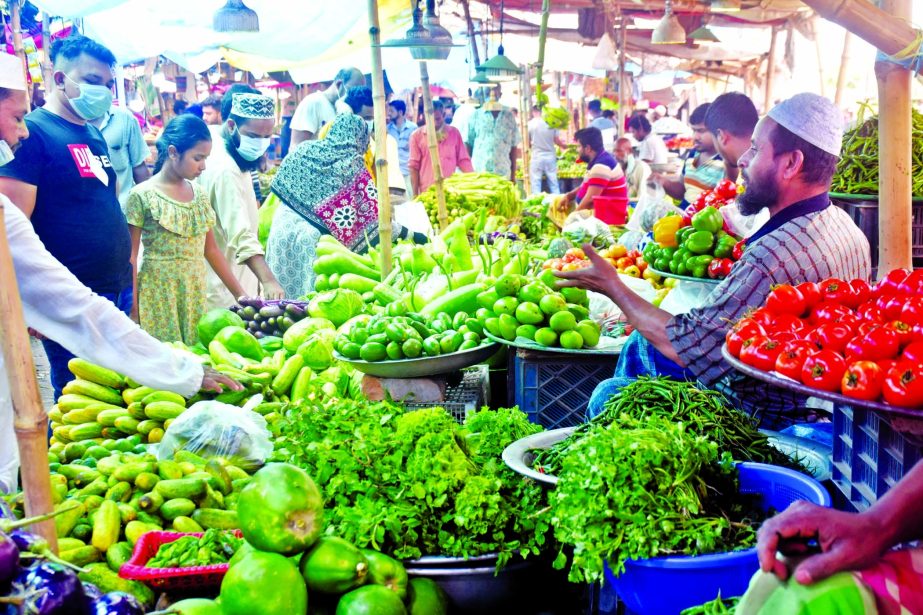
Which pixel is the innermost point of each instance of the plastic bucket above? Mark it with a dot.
(611, 210)
(694, 580)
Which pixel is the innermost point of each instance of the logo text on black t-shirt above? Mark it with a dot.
(88, 164)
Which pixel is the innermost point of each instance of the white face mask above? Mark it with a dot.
(6, 153)
(251, 148)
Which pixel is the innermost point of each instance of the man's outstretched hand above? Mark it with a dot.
(213, 380)
(598, 277)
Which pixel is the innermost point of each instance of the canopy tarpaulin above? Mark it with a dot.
(303, 31)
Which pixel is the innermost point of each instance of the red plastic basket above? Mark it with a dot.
(170, 578)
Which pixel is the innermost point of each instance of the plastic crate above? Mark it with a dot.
(869, 456)
(553, 389)
(865, 215)
(189, 577)
(468, 396)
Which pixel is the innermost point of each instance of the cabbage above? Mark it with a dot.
(317, 350)
(299, 332)
(337, 306)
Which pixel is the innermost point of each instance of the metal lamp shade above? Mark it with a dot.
(499, 67)
(669, 31)
(704, 35)
(235, 16)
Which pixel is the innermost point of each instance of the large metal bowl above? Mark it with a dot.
(423, 366)
(519, 456)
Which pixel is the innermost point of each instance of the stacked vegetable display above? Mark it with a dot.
(520, 306)
(847, 337)
(700, 249)
(569, 164)
(473, 192)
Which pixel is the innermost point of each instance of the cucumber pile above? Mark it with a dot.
(114, 492)
(100, 403)
(399, 334)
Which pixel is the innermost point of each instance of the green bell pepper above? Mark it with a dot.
(683, 233)
(700, 242)
(725, 246)
(698, 265)
(709, 219)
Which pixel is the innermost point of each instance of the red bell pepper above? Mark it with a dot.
(738, 251)
(720, 268)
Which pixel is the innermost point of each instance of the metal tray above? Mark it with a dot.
(611, 346)
(423, 366)
(519, 457)
(781, 381)
(687, 278)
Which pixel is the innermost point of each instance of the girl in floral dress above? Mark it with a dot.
(173, 218)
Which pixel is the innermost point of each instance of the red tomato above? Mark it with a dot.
(891, 307)
(763, 316)
(741, 332)
(786, 299)
(783, 336)
(862, 380)
(877, 345)
(903, 386)
(831, 336)
(827, 311)
(890, 284)
(862, 291)
(787, 322)
(760, 352)
(888, 364)
(811, 293)
(792, 358)
(913, 353)
(870, 312)
(912, 312)
(837, 291)
(863, 328)
(823, 370)
(912, 284)
(903, 330)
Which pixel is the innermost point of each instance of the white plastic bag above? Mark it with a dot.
(412, 215)
(686, 296)
(582, 227)
(214, 429)
(741, 225)
(653, 204)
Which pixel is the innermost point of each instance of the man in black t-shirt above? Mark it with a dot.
(63, 180)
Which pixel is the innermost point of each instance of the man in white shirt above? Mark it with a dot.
(651, 148)
(127, 149)
(319, 108)
(544, 157)
(59, 306)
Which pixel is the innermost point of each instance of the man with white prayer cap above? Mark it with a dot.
(56, 303)
(245, 138)
(787, 170)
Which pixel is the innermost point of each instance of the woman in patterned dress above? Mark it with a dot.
(323, 187)
(173, 218)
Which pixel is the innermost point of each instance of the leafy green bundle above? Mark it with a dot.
(646, 488)
(416, 483)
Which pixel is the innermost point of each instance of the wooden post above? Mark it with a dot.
(475, 55)
(888, 32)
(820, 62)
(623, 100)
(47, 68)
(770, 69)
(381, 143)
(30, 419)
(844, 64)
(525, 112)
(433, 147)
(16, 27)
(894, 145)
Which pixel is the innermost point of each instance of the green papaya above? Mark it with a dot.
(334, 566)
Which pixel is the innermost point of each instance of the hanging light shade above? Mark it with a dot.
(704, 35)
(725, 6)
(499, 67)
(426, 38)
(235, 16)
(669, 31)
(480, 77)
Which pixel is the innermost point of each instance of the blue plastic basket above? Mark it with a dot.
(694, 580)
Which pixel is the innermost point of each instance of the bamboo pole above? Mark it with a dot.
(820, 63)
(844, 64)
(525, 112)
(623, 100)
(475, 55)
(894, 143)
(542, 37)
(381, 142)
(433, 147)
(30, 420)
(47, 68)
(18, 50)
(889, 33)
(770, 69)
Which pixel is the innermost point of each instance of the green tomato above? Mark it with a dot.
(552, 303)
(546, 337)
(508, 285)
(529, 313)
(351, 350)
(571, 340)
(373, 351)
(508, 326)
(562, 321)
(579, 312)
(431, 346)
(506, 305)
(532, 292)
(492, 325)
(526, 331)
(393, 349)
(487, 299)
(412, 348)
(575, 295)
(589, 331)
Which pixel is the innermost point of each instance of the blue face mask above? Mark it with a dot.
(94, 100)
(251, 148)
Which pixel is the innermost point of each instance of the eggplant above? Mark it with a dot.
(36, 545)
(9, 559)
(297, 312)
(91, 592)
(259, 335)
(116, 603)
(254, 302)
(50, 589)
(270, 311)
(236, 308)
(248, 313)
